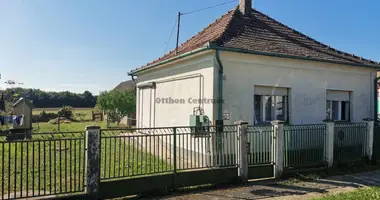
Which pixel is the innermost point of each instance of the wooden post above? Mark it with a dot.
(59, 123)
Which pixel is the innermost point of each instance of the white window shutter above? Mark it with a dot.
(334, 95)
(271, 91)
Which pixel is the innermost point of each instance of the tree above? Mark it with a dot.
(42, 99)
(118, 103)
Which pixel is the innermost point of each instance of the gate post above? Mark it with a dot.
(92, 160)
(242, 137)
(279, 148)
(329, 143)
(370, 129)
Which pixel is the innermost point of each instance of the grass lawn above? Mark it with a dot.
(74, 126)
(80, 114)
(365, 194)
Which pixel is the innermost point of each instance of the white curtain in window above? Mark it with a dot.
(334, 95)
(271, 91)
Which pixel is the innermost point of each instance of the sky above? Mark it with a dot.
(79, 45)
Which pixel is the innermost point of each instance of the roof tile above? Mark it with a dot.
(258, 32)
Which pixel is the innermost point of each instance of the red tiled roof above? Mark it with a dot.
(258, 32)
(211, 33)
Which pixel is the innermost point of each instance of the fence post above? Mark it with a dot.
(92, 160)
(175, 157)
(279, 147)
(329, 147)
(370, 129)
(242, 137)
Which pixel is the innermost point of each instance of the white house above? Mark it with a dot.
(248, 66)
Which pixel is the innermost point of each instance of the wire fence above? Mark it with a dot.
(41, 164)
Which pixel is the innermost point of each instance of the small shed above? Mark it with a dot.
(23, 107)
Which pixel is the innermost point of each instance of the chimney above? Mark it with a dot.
(245, 6)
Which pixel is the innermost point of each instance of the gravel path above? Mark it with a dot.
(286, 190)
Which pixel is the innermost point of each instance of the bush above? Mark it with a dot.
(66, 111)
(44, 117)
(114, 117)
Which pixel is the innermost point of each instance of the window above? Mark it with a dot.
(338, 105)
(270, 104)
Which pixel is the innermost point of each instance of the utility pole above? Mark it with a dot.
(179, 24)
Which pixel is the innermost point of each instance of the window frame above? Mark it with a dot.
(273, 106)
(343, 114)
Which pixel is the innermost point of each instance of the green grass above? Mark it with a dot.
(124, 157)
(80, 114)
(364, 194)
(74, 126)
(54, 166)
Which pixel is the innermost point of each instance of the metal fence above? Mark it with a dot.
(350, 141)
(304, 145)
(261, 144)
(41, 164)
(144, 151)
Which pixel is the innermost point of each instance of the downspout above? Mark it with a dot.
(375, 96)
(220, 85)
(219, 130)
(137, 108)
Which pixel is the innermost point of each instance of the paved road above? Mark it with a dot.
(284, 190)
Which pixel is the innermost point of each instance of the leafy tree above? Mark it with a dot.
(118, 103)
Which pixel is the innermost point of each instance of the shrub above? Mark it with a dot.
(66, 111)
(44, 117)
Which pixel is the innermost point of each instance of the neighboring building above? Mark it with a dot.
(261, 69)
(23, 107)
(126, 85)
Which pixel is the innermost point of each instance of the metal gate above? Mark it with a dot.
(261, 154)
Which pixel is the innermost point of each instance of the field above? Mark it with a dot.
(81, 118)
(80, 114)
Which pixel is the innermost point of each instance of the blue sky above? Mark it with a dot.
(79, 45)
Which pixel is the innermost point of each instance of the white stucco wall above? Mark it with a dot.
(187, 80)
(307, 81)
(182, 81)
